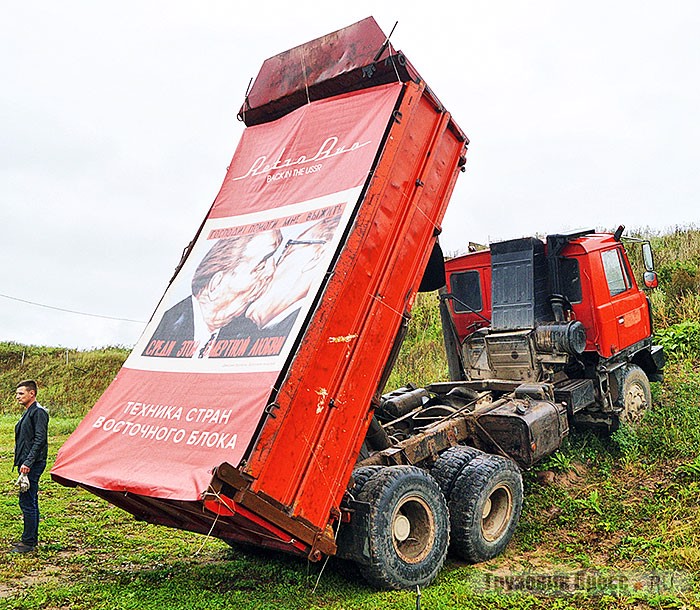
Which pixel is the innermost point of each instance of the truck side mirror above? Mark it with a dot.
(651, 280)
(648, 256)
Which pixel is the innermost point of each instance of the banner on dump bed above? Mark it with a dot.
(193, 390)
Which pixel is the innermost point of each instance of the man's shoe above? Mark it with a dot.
(20, 547)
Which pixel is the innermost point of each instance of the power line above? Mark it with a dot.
(80, 313)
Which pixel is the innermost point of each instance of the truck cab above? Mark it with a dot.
(604, 295)
(596, 283)
(555, 310)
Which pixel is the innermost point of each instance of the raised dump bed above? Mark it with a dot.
(242, 409)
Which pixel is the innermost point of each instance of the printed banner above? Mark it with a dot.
(240, 299)
(192, 393)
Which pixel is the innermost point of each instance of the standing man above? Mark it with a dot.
(31, 449)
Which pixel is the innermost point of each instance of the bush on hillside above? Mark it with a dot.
(680, 340)
(70, 381)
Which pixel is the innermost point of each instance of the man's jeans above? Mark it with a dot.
(29, 503)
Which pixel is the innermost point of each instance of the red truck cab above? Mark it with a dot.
(594, 276)
(469, 281)
(610, 305)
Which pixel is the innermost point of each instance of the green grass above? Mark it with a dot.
(615, 526)
(422, 359)
(70, 381)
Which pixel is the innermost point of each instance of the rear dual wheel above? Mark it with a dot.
(407, 529)
(360, 476)
(450, 465)
(406, 533)
(485, 500)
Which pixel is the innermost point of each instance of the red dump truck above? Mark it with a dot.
(243, 407)
(251, 408)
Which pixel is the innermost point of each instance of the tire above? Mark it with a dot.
(450, 464)
(408, 528)
(633, 394)
(351, 537)
(485, 506)
(360, 476)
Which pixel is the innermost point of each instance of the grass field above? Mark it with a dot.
(606, 524)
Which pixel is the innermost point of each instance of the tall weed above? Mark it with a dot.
(681, 340)
(670, 428)
(422, 357)
(677, 259)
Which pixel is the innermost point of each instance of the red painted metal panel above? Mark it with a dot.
(467, 322)
(355, 57)
(226, 507)
(304, 456)
(314, 62)
(194, 389)
(612, 322)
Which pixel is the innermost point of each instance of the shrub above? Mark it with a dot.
(680, 278)
(681, 340)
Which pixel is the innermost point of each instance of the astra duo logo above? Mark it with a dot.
(328, 149)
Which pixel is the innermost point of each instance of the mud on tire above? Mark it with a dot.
(633, 394)
(360, 476)
(485, 506)
(408, 527)
(450, 464)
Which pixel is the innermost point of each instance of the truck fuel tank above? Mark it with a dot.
(524, 428)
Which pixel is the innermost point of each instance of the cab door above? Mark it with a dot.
(628, 303)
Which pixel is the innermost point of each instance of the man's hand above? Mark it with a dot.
(24, 469)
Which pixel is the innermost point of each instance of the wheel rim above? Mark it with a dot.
(413, 529)
(496, 513)
(635, 403)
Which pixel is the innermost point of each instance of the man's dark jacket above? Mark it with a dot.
(31, 436)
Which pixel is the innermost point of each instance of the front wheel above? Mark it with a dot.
(485, 506)
(633, 394)
(407, 529)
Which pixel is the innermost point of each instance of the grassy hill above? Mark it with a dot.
(607, 523)
(70, 381)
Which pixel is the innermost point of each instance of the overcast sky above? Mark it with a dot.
(117, 122)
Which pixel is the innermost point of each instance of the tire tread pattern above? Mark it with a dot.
(382, 491)
(450, 464)
(466, 503)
